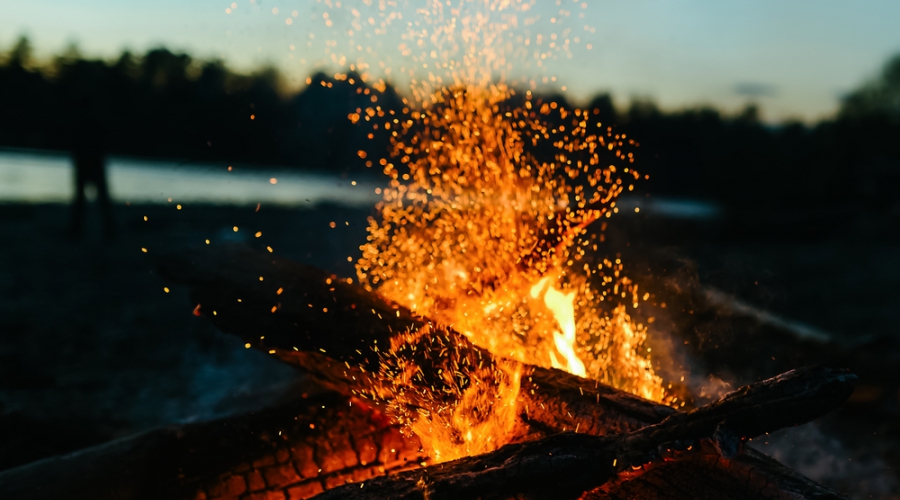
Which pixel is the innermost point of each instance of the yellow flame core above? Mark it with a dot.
(563, 308)
(483, 229)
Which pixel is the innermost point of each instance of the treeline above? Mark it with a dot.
(168, 105)
(164, 104)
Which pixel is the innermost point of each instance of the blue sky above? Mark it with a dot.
(795, 58)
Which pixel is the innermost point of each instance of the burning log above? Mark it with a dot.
(298, 450)
(337, 332)
(568, 465)
(293, 451)
(704, 474)
(321, 324)
(310, 446)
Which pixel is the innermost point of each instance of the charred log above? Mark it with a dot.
(706, 475)
(568, 465)
(337, 332)
(291, 452)
(303, 448)
(328, 327)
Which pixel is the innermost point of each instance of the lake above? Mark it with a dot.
(38, 177)
(32, 177)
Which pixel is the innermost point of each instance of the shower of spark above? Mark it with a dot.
(484, 225)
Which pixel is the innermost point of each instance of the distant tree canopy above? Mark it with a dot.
(169, 105)
(164, 104)
(881, 96)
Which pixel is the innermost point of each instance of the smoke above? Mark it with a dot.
(808, 449)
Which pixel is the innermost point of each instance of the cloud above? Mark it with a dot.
(754, 89)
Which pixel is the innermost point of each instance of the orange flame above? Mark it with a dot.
(563, 308)
(484, 224)
(463, 239)
(481, 421)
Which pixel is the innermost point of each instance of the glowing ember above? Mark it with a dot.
(464, 405)
(483, 227)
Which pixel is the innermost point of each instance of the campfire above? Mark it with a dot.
(485, 348)
(484, 229)
(389, 366)
(482, 324)
(479, 235)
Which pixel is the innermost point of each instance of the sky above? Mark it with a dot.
(794, 58)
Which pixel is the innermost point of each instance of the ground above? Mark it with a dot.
(93, 348)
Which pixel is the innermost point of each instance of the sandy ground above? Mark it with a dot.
(92, 347)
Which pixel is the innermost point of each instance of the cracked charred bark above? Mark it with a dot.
(291, 452)
(337, 333)
(568, 465)
(277, 454)
(321, 324)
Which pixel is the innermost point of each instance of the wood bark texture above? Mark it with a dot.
(291, 452)
(337, 332)
(329, 328)
(566, 466)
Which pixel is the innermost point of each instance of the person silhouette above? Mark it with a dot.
(89, 160)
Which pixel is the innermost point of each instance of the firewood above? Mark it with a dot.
(293, 451)
(299, 450)
(327, 327)
(337, 332)
(567, 465)
(705, 475)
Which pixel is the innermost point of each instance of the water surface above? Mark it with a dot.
(29, 177)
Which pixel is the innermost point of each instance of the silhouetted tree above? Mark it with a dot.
(880, 96)
(166, 104)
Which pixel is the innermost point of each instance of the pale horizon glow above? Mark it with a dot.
(794, 59)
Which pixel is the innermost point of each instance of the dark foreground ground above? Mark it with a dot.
(92, 348)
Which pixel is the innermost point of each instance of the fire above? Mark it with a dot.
(563, 309)
(479, 234)
(463, 404)
(484, 226)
